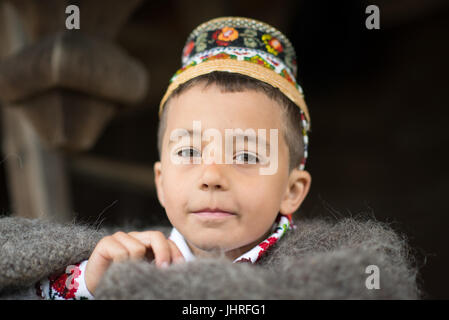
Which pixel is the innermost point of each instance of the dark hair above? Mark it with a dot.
(235, 82)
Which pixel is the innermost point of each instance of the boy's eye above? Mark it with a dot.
(246, 157)
(188, 152)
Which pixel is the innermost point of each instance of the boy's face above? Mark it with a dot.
(253, 199)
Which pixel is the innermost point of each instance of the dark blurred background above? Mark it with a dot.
(377, 98)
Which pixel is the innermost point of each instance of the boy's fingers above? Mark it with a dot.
(135, 248)
(176, 254)
(115, 250)
(161, 249)
(144, 238)
(158, 243)
(107, 251)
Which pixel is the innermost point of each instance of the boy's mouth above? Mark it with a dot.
(213, 213)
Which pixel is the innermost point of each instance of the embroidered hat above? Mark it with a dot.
(245, 46)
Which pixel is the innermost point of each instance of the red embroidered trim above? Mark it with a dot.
(60, 287)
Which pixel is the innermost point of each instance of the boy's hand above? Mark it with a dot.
(129, 246)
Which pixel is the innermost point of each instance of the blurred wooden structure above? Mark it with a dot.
(59, 88)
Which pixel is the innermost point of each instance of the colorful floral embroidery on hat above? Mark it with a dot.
(272, 44)
(220, 56)
(188, 48)
(225, 35)
(242, 37)
(285, 74)
(255, 56)
(260, 61)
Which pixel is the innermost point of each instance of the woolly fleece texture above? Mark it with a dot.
(321, 259)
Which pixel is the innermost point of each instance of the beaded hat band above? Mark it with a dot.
(244, 46)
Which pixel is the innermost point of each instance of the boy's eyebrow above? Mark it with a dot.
(182, 131)
(251, 138)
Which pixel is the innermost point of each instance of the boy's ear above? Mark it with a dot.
(298, 186)
(158, 182)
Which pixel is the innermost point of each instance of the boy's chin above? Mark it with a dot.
(209, 247)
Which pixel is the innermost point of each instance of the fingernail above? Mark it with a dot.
(164, 264)
(179, 260)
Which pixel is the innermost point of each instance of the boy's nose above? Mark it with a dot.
(213, 177)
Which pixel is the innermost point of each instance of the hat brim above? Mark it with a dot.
(242, 67)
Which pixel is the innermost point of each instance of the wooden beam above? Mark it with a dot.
(115, 173)
(37, 181)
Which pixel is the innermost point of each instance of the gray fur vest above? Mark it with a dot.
(321, 259)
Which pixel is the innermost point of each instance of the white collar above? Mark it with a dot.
(282, 224)
(178, 239)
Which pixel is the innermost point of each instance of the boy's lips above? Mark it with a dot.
(213, 213)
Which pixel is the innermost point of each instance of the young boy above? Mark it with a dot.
(238, 80)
